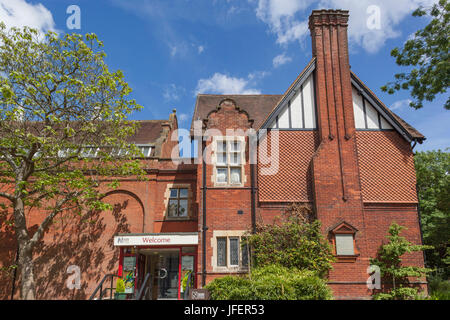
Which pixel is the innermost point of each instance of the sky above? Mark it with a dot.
(170, 50)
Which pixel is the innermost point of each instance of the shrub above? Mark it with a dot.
(439, 288)
(402, 293)
(296, 242)
(271, 282)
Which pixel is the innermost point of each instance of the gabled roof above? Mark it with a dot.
(398, 123)
(290, 92)
(263, 109)
(256, 106)
(149, 131)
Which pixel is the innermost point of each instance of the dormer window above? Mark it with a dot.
(344, 244)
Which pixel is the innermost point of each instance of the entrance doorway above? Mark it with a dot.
(172, 271)
(163, 265)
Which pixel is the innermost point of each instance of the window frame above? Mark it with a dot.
(178, 199)
(344, 229)
(229, 236)
(229, 165)
(226, 252)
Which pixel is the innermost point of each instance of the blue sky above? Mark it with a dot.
(171, 49)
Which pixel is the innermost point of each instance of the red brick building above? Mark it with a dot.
(328, 141)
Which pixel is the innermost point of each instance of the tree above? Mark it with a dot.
(59, 104)
(428, 53)
(294, 242)
(389, 260)
(433, 184)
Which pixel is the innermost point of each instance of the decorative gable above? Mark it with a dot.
(299, 111)
(296, 110)
(366, 116)
(343, 227)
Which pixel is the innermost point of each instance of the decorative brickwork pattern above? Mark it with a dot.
(293, 180)
(386, 167)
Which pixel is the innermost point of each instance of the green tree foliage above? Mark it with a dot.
(393, 272)
(428, 54)
(433, 184)
(58, 97)
(294, 242)
(271, 282)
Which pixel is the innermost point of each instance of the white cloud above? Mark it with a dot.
(201, 49)
(288, 19)
(280, 16)
(223, 84)
(281, 59)
(400, 104)
(19, 13)
(183, 117)
(173, 92)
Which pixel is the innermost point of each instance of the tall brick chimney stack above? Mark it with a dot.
(337, 189)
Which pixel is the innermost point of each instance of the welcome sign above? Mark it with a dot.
(156, 240)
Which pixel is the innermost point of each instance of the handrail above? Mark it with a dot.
(100, 287)
(146, 285)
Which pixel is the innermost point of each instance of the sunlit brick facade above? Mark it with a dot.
(339, 149)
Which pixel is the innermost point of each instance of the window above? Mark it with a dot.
(343, 237)
(178, 203)
(231, 253)
(94, 152)
(245, 254)
(344, 245)
(234, 251)
(222, 252)
(229, 158)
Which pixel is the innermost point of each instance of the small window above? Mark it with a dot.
(344, 245)
(178, 203)
(234, 251)
(146, 150)
(245, 254)
(222, 252)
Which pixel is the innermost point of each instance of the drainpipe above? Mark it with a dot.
(204, 228)
(253, 197)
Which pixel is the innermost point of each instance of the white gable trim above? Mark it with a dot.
(288, 96)
(381, 109)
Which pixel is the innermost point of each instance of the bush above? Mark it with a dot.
(271, 282)
(296, 242)
(402, 293)
(439, 288)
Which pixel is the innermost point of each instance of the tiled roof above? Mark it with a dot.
(257, 106)
(148, 132)
(260, 107)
